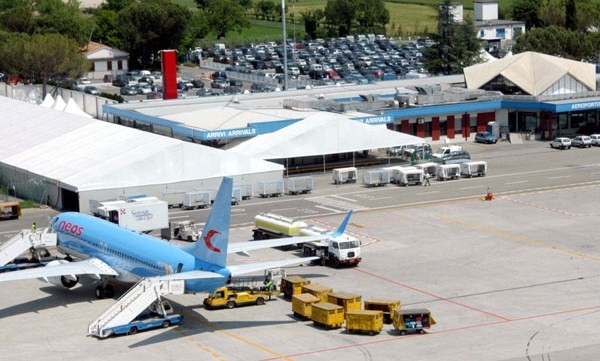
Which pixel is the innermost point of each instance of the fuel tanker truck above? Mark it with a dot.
(341, 250)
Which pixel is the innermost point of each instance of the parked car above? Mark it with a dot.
(128, 90)
(144, 88)
(219, 83)
(486, 138)
(197, 83)
(595, 139)
(460, 156)
(581, 141)
(91, 89)
(561, 143)
(146, 79)
(84, 81)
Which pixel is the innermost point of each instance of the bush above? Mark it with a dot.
(115, 97)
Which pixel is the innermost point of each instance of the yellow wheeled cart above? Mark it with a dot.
(412, 320)
(381, 304)
(318, 290)
(328, 315)
(364, 321)
(349, 301)
(292, 285)
(302, 305)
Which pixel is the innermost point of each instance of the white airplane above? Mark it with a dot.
(107, 252)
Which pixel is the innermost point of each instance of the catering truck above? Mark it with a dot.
(140, 214)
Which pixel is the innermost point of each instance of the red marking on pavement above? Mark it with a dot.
(433, 295)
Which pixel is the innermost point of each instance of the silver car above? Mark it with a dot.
(561, 143)
(582, 141)
(595, 139)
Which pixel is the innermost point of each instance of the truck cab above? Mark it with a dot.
(447, 151)
(337, 251)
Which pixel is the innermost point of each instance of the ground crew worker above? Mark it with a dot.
(269, 284)
(427, 176)
(33, 227)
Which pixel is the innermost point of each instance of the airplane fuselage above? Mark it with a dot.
(133, 255)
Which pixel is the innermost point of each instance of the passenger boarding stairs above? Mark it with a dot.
(134, 302)
(23, 241)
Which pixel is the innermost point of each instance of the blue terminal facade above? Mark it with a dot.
(544, 117)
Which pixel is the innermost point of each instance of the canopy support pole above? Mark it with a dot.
(324, 169)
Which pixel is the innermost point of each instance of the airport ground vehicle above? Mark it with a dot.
(327, 315)
(387, 306)
(345, 175)
(364, 321)
(10, 210)
(448, 171)
(138, 214)
(269, 225)
(318, 290)
(595, 139)
(561, 143)
(486, 138)
(292, 285)
(473, 168)
(297, 185)
(343, 250)
(227, 297)
(302, 305)
(412, 320)
(158, 315)
(182, 230)
(376, 178)
(582, 141)
(451, 154)
(196, 199)
(270, 188)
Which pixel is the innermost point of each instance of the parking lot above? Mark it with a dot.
(511, 279)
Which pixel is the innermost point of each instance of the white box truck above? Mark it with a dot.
(138, 215)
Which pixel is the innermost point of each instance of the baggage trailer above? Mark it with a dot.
(473, 168)
(268, 189)
(173, 197)
(349, 301)
(327, 315)
(236, 196)
(196, 199)
(318, 290)
(416, 320)
(345, 175)
(364, 321)
(292, 285)
(10, 210)
(448, 171)
(429, 167)
(302, 305)
(387, 306)
(245, 190)
(298, 185)
(376, 178)
(409, 176)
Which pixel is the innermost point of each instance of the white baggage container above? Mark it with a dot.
(196, 199)
(173, 197)
(345, 175)
(473, 168)
(409, 176)
(270, 188)
(297, 185)
(429, 167)
(376, 178)
(236, 195)
(245, 190)
(448, 171)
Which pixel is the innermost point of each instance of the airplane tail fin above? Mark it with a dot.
(211, 247)
(342, 226)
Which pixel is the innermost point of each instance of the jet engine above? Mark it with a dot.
(67, 281)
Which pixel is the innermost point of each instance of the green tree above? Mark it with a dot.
(558, 41)
(571, 15)
(149, 26)
(264, 8)
(16, 16)
(372, 16)
(39, 56)
(340, 16)
(456, 47)
(54, 16)
(226, 16)
(197, 28)
(527, 11)
(311, 20)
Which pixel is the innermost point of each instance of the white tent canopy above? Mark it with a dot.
(86, 154)
(73, 108)
(322, 133)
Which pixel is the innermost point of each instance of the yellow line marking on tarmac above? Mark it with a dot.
(519, 238)
(239, 338)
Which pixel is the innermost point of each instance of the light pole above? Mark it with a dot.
(285, 70)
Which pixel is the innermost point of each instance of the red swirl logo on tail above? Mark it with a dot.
(207, 240)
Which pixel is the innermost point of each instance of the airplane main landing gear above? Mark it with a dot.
(104, 291)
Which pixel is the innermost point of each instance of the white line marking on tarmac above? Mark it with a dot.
(472, 187)
(523, 181)
(376, 199)
(283, 209)
(329, 209)
(428, 192)
(344, 198)
(562, 176)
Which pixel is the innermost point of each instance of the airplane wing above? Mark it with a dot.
(191, 275)
(240, 269)
(278, 242)
(90, 266)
